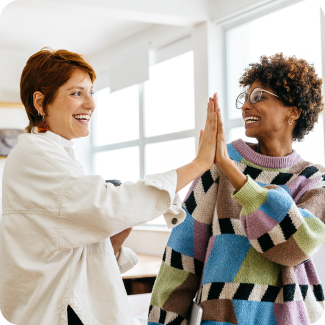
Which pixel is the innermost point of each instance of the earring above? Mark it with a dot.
(43, 126)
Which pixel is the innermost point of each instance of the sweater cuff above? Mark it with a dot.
(251, 196)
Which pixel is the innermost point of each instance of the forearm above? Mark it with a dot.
(296, 232)
(188, 173)
(234, 175)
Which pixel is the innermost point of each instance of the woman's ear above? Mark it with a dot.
(294, 113)
(38, 100)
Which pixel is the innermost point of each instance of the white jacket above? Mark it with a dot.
(55, 234)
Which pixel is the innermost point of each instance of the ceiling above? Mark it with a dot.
(29, 25)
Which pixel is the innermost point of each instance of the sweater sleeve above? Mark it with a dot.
(183, 260)
(281, 230)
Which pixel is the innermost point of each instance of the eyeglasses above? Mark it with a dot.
(254, 96)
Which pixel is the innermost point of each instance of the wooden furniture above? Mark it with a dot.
(148, 266)
(141, 278)
(11, 105)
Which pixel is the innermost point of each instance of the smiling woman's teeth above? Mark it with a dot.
(251, 119)
(82, 117)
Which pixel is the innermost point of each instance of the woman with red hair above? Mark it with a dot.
(62, 230)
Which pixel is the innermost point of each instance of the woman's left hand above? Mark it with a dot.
(118, 239)
(222, 159)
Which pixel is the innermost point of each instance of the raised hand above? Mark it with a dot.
(208, 138)
(221, 156)
(222, 160)
(206, 152)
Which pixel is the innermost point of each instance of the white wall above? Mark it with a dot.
(221, 9)
(156, 36)
(147, 242)
(10, 73)
(13, 118)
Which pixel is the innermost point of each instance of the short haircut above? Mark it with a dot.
(295, 81)
(46, 71)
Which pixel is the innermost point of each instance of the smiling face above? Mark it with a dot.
(69, 113)
(268, 118)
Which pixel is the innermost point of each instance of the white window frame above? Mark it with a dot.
(175, 49)
(232, 23)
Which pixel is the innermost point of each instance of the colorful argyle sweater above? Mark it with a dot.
(245, 256)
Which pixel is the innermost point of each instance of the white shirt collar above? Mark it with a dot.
(54, 137)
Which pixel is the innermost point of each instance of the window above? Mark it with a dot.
(147, 128)
(294, 30)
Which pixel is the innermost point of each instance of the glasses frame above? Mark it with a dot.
(250, 96)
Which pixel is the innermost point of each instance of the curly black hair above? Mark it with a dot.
(295, 81)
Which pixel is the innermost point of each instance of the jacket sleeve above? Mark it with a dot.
(281, 230)
(126, 259)
(92, 210)
(183, 260)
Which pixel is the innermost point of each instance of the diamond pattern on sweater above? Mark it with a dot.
(265, 242)
(309, 171)
(289, 292)
(318, 292)
(182, 262)
(207, 180)
(190, 203)
(271, 294)
(282, 179)
(157, 315)
(287, 227)
(276, 238)
(252, 172)
(226, 226)
(229, 226)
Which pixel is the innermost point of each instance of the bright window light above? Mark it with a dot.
(122, 164)
(169, 96)
(116, 115)
(164, 156)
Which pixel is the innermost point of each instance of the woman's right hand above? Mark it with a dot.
(208, 139)
(206, 151)
(118, 239)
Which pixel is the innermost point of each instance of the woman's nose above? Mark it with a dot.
(90, 103)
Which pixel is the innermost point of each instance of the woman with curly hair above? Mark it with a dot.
(256, 218)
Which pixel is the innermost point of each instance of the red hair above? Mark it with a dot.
(46, 71)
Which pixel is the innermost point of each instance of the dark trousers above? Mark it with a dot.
(73, 319)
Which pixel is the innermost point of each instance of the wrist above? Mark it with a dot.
(200, 165)
(225, 166)
(234, 175)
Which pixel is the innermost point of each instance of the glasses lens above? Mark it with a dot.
(256, 95)
(241, 99)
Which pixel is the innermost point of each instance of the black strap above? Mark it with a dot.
(73, 318)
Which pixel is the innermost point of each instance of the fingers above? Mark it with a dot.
(221, 133)
(200, 138)
(216, 103)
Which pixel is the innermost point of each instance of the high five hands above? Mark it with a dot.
(221, 157)
(212, 149)
(216, 134)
